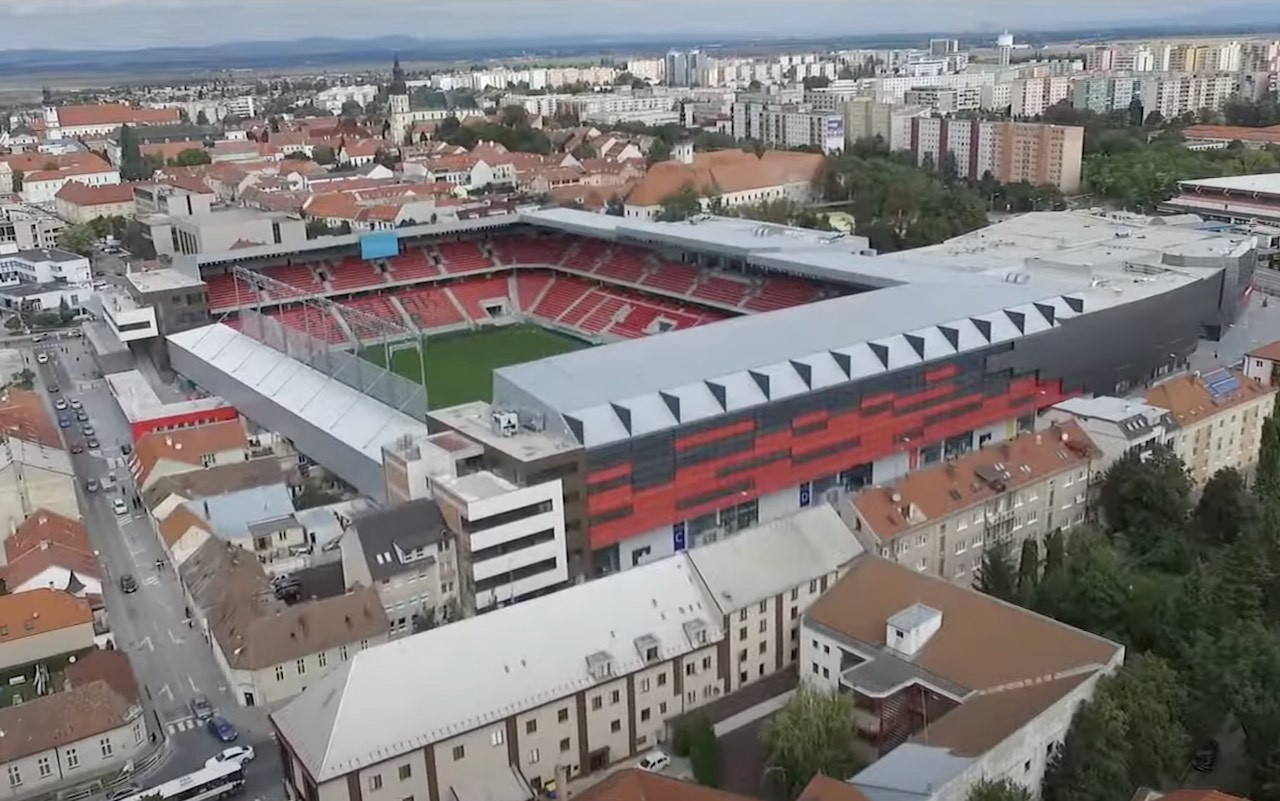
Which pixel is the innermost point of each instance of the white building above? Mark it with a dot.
(333, 98)
(128, 320)
(1117, 425)
(950, 686)
(42, 186)
(511, 540)
(45, 266)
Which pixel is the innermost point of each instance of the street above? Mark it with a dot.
(173, 662)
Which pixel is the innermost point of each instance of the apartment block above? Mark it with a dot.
(764, 579)
(1186, 93)
(945, 100)
(941, 519)
(1030, 97)
(1010, 151)
(580, 679)
(1117, 426)
(1219, 417)
(950, 687)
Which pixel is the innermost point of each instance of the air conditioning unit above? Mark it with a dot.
(506, 424)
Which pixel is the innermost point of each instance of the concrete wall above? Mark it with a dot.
(35, 647)
(76, 762)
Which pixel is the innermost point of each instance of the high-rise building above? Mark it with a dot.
(1004, 48)
(1009, 151)
(943, 47)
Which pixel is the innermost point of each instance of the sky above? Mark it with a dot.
(130, 24)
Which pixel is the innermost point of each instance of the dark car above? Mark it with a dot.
(77, 448)
(201, 708)
(128, 584)
(53, 388)
(64, 422)
(1206, 756)
(221, 728)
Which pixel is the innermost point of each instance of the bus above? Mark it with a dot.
(206, 784)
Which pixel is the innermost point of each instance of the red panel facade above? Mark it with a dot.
(139, 427)
(879, 429)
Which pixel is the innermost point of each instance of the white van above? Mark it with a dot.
(654, 762)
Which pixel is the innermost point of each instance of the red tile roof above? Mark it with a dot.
(726, 172)
(46, 526)
(26, 614)
(1227, 133)
(115, 114)
(632, 784)
(78, 194)
(23, 415)
(1270, 351)
(1189, 400)
(36, 561)
(111, 667)
(188, 445)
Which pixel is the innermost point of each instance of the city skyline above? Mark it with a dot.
(133, 24)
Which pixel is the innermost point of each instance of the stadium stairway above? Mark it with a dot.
(404, 315)
(346, 329)
(457, 304)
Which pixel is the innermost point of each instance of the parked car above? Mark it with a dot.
(64, 421)
(124, 791)
(119, 507)
(39, 338)
(87, 430)
(239, 754)
(1205, 757)
(128, 584)
(654, 762)
(43, 358)
(77, 448)
(82, 416)
(60, 405)
(92, 485)
(53, 388)
(221, 728)
(75, 404)
(201, 708)
(91, 443)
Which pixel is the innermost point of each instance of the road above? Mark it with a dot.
(173, 662)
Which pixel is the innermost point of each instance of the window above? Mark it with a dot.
(794, 613)
(614, 697)
(815, 668)
(813, 586)
(644, 714)
(742, 633)
(644, 685)
(302, 666)
(375, 782)
(764, 607)
(497, 737)
(459, 752)
(534, 756)
(530, 727)
(706, 663)
(690, 669)
(795, 593)
(562, 716)
(342, 653)
(742, 616)
(46, 770)
(662, 708)
(405, 771)
(279, 672)
(564, 745)
(597, 703)
(615, 726)
(107, 748)
(662, 679)
(764, 626)
(322, 658)
(15, 776)
(73, 758)
(764, 646)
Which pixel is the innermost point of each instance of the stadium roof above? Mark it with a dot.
(702, 372)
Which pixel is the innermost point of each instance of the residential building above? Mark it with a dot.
(146, 412)
(735, 176)
(91, 728)
(45, 266)
(335, 97)
(950, 686)
(151, 304)
(51, 565)
(35, 468)
(764, 579)
(1219, 417)
(1261, 364)
(222, 230)
(940, 519)
(867, 118)
(503, 710)
(1102, 94)
(1181, 93)
(510, 539)
(167, 453)
(943, 99)
(1010, 151)
(1117, 426)
(406, 553)
(267, 650)
(28, 227)
(258, 519)
(78, 202)
(45, 527)
(42, 624)
(42, 185)
(1030, 97)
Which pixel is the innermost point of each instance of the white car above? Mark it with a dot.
(118, 506)
(654, 762)
(42, 359)
(240, 754)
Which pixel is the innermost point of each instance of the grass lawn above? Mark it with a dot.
(460, 366)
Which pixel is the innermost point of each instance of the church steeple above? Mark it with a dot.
(398, 85)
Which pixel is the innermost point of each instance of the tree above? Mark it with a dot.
(1002, 790)
(323, 154)
(703, 753)
(23, 379)
(1267, 476)
(64, 310)
(816, 82)
(1146, 495)
(132, 166)
(1224, 507)
(660, 150)
(1028, 569)
(18, 176)
(995, 575)
(681, 205)
(191, 157)
(352, 109)
(202, 118)
(78, 238)
(812, 734)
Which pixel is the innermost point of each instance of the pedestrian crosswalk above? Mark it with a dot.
(183, 724)
(151, 581)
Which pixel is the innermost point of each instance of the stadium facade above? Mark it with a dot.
(666, 441)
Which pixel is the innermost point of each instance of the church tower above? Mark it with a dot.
(398, 105)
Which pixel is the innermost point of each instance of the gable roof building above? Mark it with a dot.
(163, 453)
(633, 784)
(42, 623)
(736, 176)
(997, 684)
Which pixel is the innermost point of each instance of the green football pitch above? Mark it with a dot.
(460, 366)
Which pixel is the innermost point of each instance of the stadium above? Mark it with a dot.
(688, 379)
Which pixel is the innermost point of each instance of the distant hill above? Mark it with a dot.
(330, 52)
